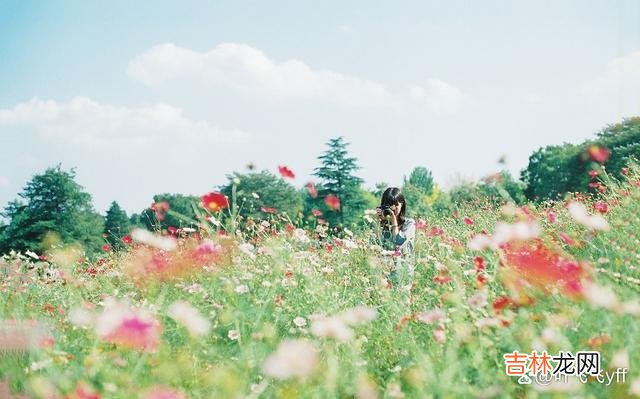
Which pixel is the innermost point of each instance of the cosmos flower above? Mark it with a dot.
(292, 359)
(534, 262)
(214, 201)
(332, 202)
(579, 213)
(189, 317)
(126, 326)
(311, 188)
(598, 153)
(286, 172)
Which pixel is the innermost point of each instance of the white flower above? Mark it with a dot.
(635, 387)
(600, 296)
(331, 327)
(247, 249)
(620, 359)
(358, 315)
(432, 316)
(350, 244)
(81, 317)
(255, 195)
(147, 237)
(579, 213)
(348, 232)
(300, 321)
(189, 317)
(478, 300)
(233, 335)
(188, 230)
(488, 322)
(32, 254)
(293, 358)
(439, 334)
(242, 289)
(300, 235)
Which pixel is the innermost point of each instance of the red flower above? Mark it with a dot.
(624, 171)
(467, 221)
(500, 303)
(332, 202)
(286, 172)
(172, 230)
(311, 188)
(435, 231)
(479, 262)
(441, 279)
(214, 201)
(106, 248)
(593, 173)
(601, 207)
(127, 239)
(598, 153)
(481, 279)
(542, 267)
(316, 213)
(267, 209)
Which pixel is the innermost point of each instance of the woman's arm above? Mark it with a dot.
(406, 235)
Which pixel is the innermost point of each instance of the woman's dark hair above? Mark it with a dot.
(393, 196)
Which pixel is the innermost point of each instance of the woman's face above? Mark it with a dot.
(396, 209)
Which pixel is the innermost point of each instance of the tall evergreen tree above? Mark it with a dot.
(116, 225)
(337, 177)
(51, 202)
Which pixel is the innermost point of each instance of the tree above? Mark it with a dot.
(181, 212)
(418, 191)
(556, 170)
(116, 225)
(260, 193)
(336, 174)
(51, 202)
(422, 179)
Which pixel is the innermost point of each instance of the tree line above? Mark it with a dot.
(54, 208)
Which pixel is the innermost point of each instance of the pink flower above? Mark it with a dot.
(467, 221)
(128, 327)
(163, 393)
(311, 188)
(551, 215)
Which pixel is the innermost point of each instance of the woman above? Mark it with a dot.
(397, 236)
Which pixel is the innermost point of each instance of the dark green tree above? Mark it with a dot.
(422, 179)
(337, 177)
(116, 225)
(181, 212)
(556, 170)
(51, 202)
(260, 193)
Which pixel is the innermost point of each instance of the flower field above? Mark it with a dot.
(273, 310)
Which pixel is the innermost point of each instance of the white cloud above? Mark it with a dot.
(439, 97)
(86, 122)
(249, 71)
(618, 88)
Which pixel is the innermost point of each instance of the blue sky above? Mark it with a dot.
(157, 97)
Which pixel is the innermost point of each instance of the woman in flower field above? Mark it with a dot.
(397, 235)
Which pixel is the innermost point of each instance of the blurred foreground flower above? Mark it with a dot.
(125, 326)
(154, 240)
(541, 267)
(189, 317)
(579, 213)
(163, 393)
(293, 358)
